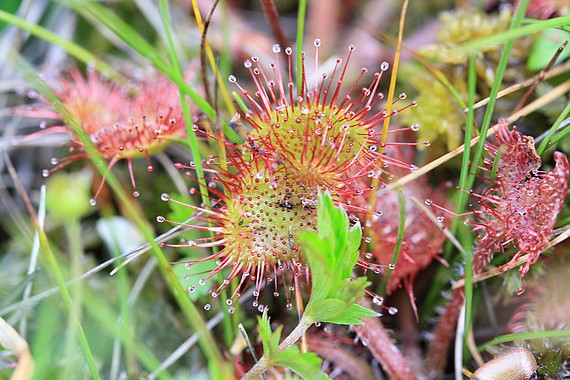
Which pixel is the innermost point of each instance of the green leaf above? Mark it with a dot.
(316, 250)
(354, 238)
(269, 339)
(332, 255)
(307, 365)
(327, 309)
(353, 289)
(352, 315)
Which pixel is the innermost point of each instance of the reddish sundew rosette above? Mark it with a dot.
(327, 138)
(257, 220)
(123, 123)
(521, 207)
(422, 241)
(300, 141)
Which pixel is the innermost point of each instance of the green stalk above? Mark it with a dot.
(464, 178)
(192, 142)
(72, 228)
(465, 175)
(525, 336)
(57, 273)
(547, 140)
(265, 363)
(399, 239)
(301, 16)
(70, 47)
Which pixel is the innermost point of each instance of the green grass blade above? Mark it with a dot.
(514, 32)
(535, 21)
(525, 336)
(399, 240)
(301, 16)
(548, 140)
(501, 67)
(73, 49)
(462, 195)
(465, 160)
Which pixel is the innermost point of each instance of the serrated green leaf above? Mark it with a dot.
(352, 315)
(332, 254)
(354, 238)
(307, 365)
(352, 290)
(340, 312)
(315, 249)
(325, 206)
(269, 339)
(327, 309)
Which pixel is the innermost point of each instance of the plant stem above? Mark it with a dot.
(270, 11)
(265, 363)
(73, 232)
(302, 12)
(380, 345)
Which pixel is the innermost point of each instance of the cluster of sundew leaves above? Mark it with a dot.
(521, 206)
(123, 121)
(421, 241)
(298, 141)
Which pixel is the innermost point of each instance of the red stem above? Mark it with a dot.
(379, 343)
(274, 21)
(439, 347)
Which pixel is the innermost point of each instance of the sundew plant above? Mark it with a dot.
(280, 190)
